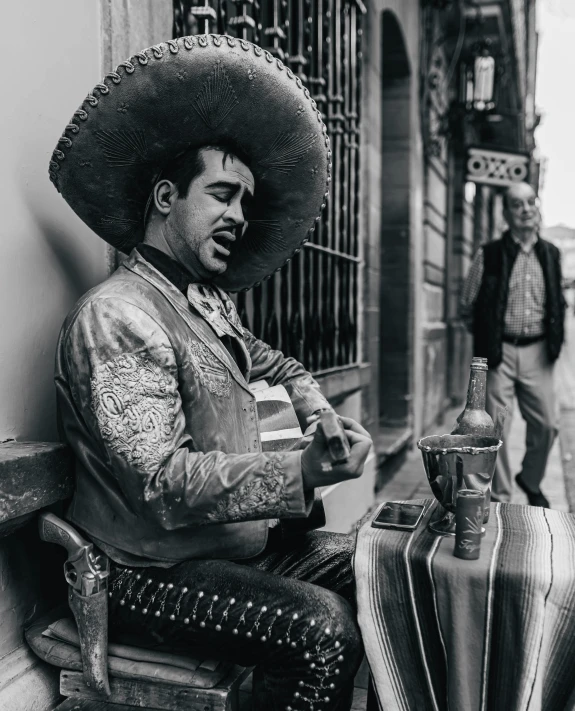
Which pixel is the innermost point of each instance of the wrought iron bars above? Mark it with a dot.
(310, 309)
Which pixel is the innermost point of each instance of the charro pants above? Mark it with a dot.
(289, 611)
(527, 374)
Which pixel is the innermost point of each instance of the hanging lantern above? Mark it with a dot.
(478, 80)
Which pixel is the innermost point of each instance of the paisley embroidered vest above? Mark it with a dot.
(164, 426)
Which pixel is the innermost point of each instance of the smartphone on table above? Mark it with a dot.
(403, 516)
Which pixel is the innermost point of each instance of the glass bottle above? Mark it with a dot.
(474, 420)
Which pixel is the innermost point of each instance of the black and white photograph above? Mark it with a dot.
(287, 355)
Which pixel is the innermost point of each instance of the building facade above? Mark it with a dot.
(421, 152)
(370, 304)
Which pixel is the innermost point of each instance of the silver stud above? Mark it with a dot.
(340, 658)
(278, 613)
(296, 694)
(186, 620)
(122, 602)
(337, 645)
(232, 601)
(332, 686)
(160, 586)
(294, 644)
(234, 631)
(300, 683)
(215, 598)
(170, 586)
(202, 624)
(264, 609)
(336, 671)
(184, 590)
(295, 616)
(138, 576)
(312, 623)
(312, 665)
(109, 594)
(326, 699)
(200, 594)
(280, 641)
(250, 604)
(218, 628)
(327, 631)
(263, 638)
(132, 607)
(172, 617)
(157, 613)
(145, 611)
(306, 655)
(249, 635)
(150, 581)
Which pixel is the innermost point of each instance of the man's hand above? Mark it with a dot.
(317, 469)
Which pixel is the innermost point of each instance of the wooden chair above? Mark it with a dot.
(134, 675)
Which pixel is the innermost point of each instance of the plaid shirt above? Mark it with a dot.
(525, 312)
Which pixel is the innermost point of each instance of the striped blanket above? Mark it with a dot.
(445, 634)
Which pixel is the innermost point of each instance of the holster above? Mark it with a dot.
(91, 615)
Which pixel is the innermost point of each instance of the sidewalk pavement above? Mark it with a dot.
(565, 376)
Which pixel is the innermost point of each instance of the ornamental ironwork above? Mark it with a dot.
(309, 309)
(489, 167)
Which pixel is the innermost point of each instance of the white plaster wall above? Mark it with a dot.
(49, 257)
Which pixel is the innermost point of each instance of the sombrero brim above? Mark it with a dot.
(187, 93)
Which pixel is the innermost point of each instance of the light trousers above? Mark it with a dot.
(525, 373)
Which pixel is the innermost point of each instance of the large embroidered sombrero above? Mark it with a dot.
(186, 93)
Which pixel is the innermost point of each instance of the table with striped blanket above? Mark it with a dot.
(493, 634)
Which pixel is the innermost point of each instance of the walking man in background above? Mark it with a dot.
(513, 304)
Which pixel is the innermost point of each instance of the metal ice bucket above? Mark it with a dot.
(454, 462)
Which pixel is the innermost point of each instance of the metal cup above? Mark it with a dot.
(468, 523)
(455, 462)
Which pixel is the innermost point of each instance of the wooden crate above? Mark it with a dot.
(127, 694)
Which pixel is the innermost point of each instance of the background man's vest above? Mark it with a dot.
(489, 313)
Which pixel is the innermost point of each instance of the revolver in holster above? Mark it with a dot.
(86, 573)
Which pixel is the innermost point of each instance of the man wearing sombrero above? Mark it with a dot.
(207, 162)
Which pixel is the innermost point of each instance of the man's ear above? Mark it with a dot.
(165, 192)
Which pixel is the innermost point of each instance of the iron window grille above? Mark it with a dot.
(310, 309)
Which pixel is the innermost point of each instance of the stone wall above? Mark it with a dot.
(392, 193)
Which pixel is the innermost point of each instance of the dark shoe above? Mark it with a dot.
(535, 498)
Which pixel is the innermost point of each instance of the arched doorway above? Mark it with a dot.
(396, 303)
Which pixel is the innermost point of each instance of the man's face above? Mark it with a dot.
(202, 226)
(522, 210)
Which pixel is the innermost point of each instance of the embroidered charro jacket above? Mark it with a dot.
(164, 426)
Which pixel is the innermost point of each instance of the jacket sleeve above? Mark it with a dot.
(271, 365)
(123, 374)
(470, 291)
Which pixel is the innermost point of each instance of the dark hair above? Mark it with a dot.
(188, 165)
